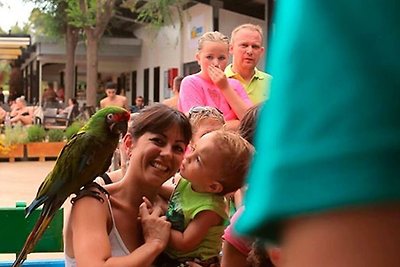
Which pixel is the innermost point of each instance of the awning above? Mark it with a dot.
(11, 45)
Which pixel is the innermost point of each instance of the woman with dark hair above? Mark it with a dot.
(107, 232)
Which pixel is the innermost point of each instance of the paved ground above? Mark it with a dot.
(19, 181)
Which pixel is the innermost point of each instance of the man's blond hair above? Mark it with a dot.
(247, 26)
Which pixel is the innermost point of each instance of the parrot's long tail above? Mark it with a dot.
(36, 233)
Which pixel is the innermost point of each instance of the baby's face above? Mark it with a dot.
(202, 164)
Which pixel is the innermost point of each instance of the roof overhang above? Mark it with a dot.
(110, 49)
(11, 45)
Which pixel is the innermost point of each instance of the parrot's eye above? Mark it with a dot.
(110, 116)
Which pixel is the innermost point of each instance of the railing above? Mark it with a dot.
(14, 229)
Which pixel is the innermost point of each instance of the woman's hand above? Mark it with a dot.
(218, 77)
(156, 228)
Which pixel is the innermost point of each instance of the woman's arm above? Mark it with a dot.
(195, 231)
(91, 245)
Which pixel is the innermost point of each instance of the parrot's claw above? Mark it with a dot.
(90, 190)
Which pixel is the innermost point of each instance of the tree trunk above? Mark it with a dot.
(104, 12)
(71, 41)
(91, 67)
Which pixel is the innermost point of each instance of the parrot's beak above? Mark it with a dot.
(119, 127)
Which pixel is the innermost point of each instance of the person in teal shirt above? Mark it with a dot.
(325, 183)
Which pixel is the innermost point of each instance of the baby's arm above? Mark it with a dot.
(166, 191)
(195, 231)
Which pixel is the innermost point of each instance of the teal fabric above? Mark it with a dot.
(330, 137)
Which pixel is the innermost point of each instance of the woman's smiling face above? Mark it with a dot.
(158, 155)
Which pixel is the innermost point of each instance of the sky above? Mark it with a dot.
(14, 11)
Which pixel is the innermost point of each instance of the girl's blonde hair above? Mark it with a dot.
(212, 37)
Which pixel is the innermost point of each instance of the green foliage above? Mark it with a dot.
(82, 18)
(45, 24)
(73, 129)
(36, 133)
(5, 71)
(16, 29)
(56, 135)
(155, 13)
(15, 135)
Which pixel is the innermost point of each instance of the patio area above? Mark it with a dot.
(19, 181)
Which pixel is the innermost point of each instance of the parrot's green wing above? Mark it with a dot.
(81, 160)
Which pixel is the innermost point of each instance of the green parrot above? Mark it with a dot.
(87, 155)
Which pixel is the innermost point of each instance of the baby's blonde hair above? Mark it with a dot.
(237, 154)
(212, 37)
(248, 26)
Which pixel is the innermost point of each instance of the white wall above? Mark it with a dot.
(197, 18)
(172, 46)
(160, 49)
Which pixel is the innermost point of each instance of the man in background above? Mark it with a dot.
(112, 99)
(139, 104)
(173, 101)
(50, 97)
(246, 48)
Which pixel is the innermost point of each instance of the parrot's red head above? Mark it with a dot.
(118, 122)
(108, 121)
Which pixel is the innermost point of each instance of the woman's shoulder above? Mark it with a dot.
(90, 194)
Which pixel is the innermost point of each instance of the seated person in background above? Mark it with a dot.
(49, 97)
(210, 86)
(139, 104)
(60, 94)
(197, 210)
(72, 108)
(176, 87)
(21, 113)
(112, 99)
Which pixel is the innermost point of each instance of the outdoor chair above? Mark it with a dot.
(52, 120)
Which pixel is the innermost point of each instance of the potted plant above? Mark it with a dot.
(12, 142)
(56, 135)
(73, 129)
(39, 145)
